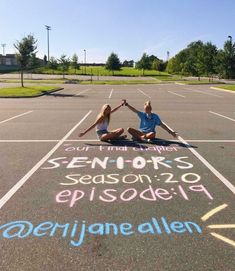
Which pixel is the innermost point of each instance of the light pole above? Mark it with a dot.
(85, 60)
(231, 39)
(3, 48)
(167, 56)
(48, 28)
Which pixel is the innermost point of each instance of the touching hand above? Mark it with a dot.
(124, 102)
(81, 134)
(174, 134)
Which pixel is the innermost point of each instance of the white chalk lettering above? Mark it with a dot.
(53, 162)
(138, 162)
(103, 163)
(77, 161)
(115, 178)
(189, 165)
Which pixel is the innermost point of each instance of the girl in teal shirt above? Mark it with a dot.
(148, 123)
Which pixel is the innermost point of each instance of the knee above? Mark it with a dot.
(119, 131)
(129, 129)
(151, 135)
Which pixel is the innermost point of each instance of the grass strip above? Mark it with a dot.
(202, 82)
(29, 91)
(41, 81)
(228, 87)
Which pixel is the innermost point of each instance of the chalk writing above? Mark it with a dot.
(158, 149)
(138, 162)
(76, 231)
(115, 178)
(71, 197)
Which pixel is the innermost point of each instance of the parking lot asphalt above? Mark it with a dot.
(71, 203)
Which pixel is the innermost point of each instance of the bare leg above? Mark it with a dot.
(115, 134)
(135, 133)
(150, 136)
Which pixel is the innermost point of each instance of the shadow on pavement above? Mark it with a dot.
(163, 142)
(127, 143)
(62, 95)
(141, 144)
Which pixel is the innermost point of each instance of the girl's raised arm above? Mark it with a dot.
(131, 108)
(91, 127)
(117, 107)
(168, 129)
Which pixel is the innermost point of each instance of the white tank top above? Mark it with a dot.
(102, 126)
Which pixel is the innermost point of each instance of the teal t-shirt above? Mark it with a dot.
(148, 123)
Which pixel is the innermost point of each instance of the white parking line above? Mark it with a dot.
(143, 92)
(28, 140)
(82, 92)
(23, 180)
(111, 92)
(87, 140)
(176, 94)
(16, 116)
(211, 140)
(221, 115)
(188, 140)
(226, 182)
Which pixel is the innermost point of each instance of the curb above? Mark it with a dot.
(26, 97)
(181, 84)
(220, 89)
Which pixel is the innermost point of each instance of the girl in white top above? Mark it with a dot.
(102, 122)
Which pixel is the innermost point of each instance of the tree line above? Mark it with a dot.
(204, 59)
(198, 59)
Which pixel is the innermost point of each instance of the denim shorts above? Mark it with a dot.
(101, 132)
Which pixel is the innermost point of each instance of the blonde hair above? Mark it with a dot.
(147, 104)
(101, 114)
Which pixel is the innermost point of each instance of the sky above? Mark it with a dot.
(128, 28)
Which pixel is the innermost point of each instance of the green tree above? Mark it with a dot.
(144, 63)
(210, 59)
(113, 63)
(64, 64)
(74, 63)
(227, 59)
(177, 63)
(34, 62)
(53, 64)
(158, 65)
(128, 63)
(26, 47)
(45, 60)
(171, 65)
(192, 60)
(195, 59)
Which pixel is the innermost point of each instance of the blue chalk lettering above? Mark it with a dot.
(145, 228)
(108, 227)
(156, 225)
(96, 228)
(59, 226)
(20, 229)
(81, 237)
(177, 226)
(126, 229)
(196, 226)
(42, 228)
(165, 224)
(74, 229)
